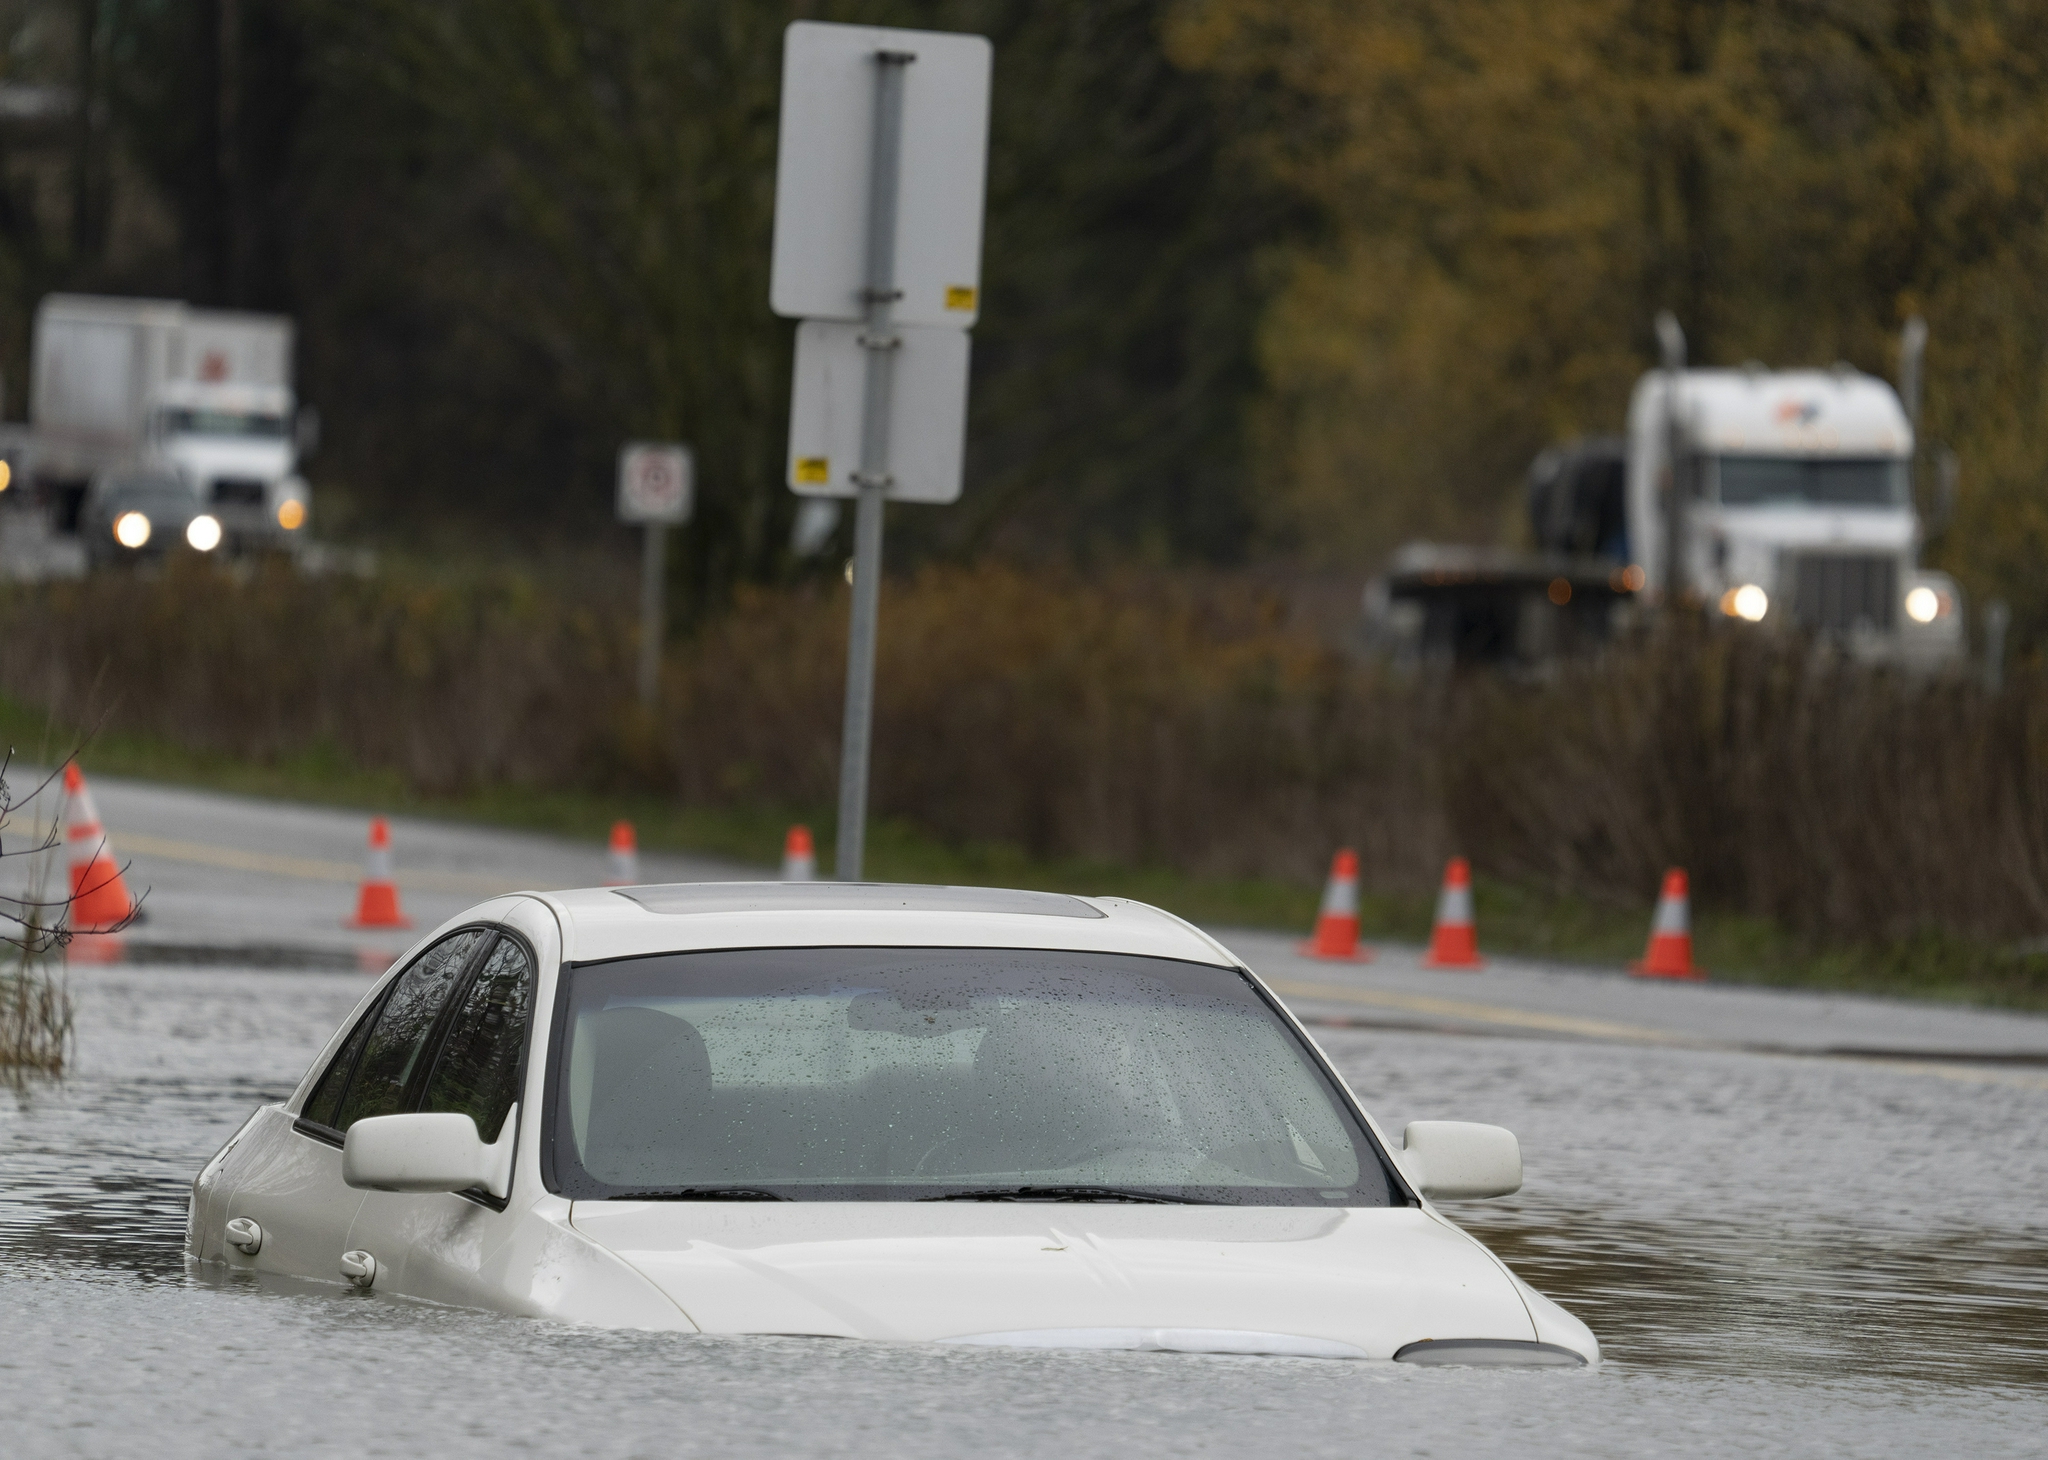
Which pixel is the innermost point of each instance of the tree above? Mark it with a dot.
(1510, 188)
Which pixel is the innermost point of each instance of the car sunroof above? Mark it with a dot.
(729, 897)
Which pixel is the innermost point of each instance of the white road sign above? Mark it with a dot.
(823, 159)
(654, 482)
(927, 412)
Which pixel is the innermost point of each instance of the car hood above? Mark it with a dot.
(1313, 1281)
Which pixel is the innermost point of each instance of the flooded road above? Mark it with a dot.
(1781, 1255)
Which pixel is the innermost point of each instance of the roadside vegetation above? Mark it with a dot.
(1193, 739)
(35, 1003)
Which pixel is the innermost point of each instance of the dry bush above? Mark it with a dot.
(453, 685)
(1828, 797)
(1143, 719)
(1167, 719)
(35, 1003)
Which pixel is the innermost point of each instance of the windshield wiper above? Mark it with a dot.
(1068, 1193)
(699, 1193)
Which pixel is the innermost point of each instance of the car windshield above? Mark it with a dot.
(185, 422)
(875, 1074)
(1755, 481)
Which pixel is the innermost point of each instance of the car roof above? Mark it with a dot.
(626, 922)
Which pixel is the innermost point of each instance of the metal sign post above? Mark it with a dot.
(653, 610)
(655, 489)
(886, 282)
(873, 478)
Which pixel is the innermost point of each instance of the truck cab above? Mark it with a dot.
(235, 445)
(1795, 498)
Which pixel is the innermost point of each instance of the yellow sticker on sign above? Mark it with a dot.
(959, 296)
(814, 471)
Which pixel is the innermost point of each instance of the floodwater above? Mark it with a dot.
(1780, 1256)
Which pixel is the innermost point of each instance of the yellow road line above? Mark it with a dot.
(234, 859)
(1478, 1013)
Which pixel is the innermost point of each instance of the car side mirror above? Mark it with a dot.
(430, 1151)
(1456, 1158)
(306, 441)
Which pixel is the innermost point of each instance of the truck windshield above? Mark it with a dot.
(904, 1074)
(179, 422)
(1754, 481)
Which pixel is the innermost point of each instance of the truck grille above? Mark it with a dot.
(1832, 593)
(238, 491)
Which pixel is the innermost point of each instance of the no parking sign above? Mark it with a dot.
(654, 482)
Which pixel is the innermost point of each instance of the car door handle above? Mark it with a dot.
(245, 1235)
(359, 1267)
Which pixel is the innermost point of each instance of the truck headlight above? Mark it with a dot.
(203, 532)
(1748, 602)
(131, 529)
(1924, 605)
(291, 514)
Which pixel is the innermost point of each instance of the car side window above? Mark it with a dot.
(477, 1073)
(325, 1101)
(404, 1030)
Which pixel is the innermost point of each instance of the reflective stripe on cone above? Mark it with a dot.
(1336, 934)
(799, 861)
(1454, 942)
(99, 894)
(624, 855)
(377, 902)
(1669, 954)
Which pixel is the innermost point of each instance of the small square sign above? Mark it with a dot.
(655, 482)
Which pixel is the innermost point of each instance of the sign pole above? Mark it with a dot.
(657, 482)
(880, 341)
(653, 619)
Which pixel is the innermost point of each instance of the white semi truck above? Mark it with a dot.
(120, 385)
(1779, 498)
(1793, 506)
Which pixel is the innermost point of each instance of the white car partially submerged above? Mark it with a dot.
(939, 1114)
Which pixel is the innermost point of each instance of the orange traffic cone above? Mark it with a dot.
(1454, 943)
(1670, 952)
(377, 903)
(799, 862)
(1336, 934)
(625, 856)
(99, 896)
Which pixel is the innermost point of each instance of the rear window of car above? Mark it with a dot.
(865, 1074)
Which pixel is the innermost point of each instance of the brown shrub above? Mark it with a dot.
(1165, 719)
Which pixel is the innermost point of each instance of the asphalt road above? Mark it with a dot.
(240, 879)
(268, 883)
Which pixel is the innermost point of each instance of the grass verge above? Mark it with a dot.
(1934, 964)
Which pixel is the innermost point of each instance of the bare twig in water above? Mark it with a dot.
(35, 930)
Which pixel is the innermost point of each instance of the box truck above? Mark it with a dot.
(118, 385)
